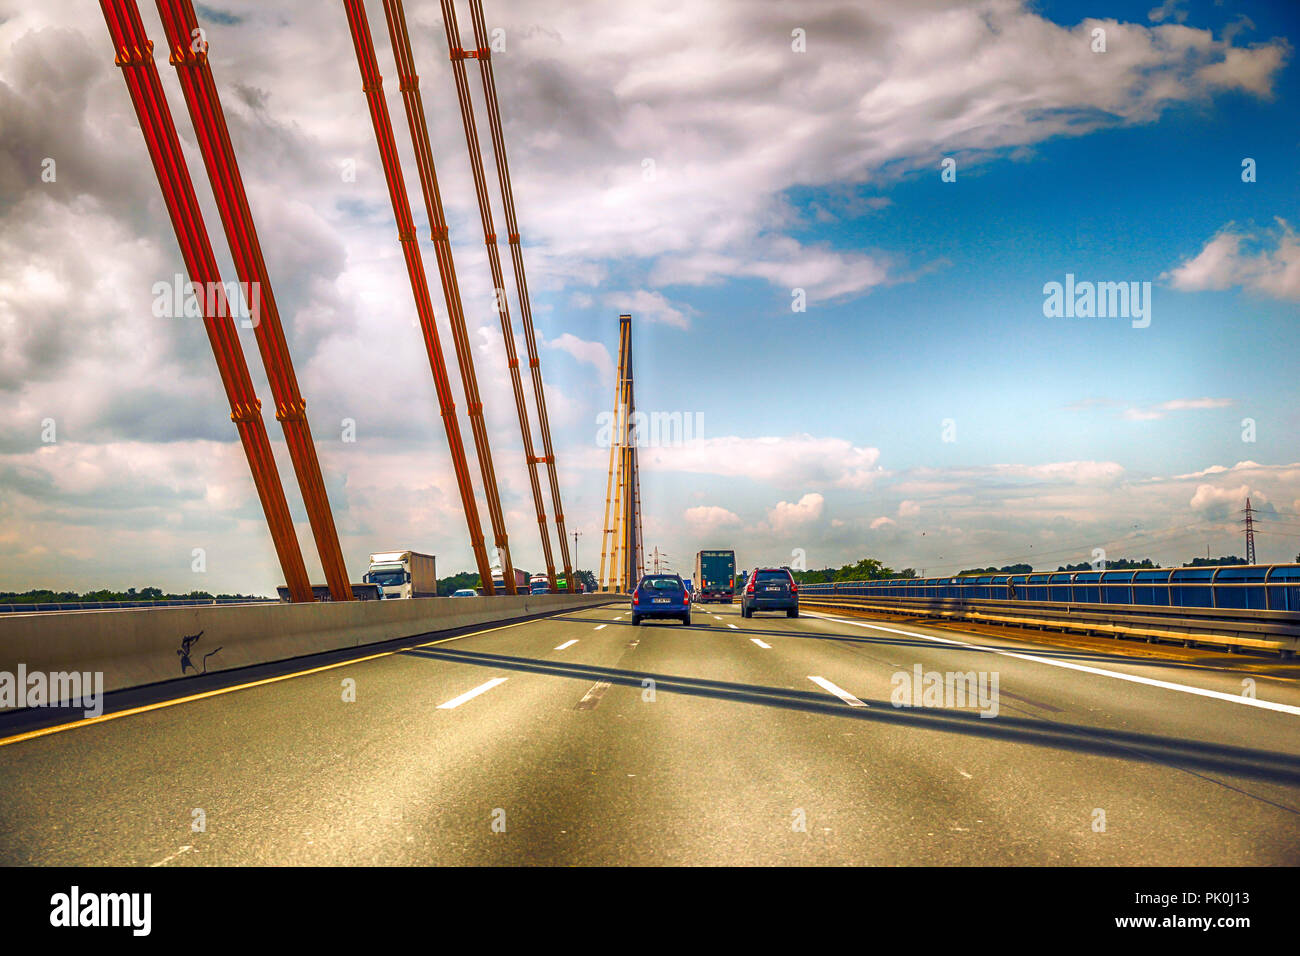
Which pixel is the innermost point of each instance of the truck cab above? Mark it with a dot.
(403, 574)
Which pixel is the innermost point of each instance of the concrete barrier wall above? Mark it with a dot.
(144, 646)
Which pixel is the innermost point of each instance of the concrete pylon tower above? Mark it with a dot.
(620, 551)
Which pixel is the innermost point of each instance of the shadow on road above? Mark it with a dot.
(1255, 764)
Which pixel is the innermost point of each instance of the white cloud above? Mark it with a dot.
(1225, 262)
(796, 460)
(1162, 409)
(593, 353)
(884, 521)
(1222, 501)
(1170, 9)
(705, 518)
(649, 306)
(908, 509)
(1251, 69)
(787, 516)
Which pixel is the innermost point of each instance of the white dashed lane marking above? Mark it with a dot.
(471, 694)
(839, 692)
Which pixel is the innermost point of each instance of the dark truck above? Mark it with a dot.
(715, 575)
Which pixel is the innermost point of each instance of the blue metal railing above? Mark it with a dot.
(1271, 587)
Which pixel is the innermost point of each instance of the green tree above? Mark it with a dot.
(465, 579)
(868, 569)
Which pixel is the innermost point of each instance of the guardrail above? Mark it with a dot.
(1230, 628)
(1265, 587)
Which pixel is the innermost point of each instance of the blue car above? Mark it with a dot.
(661, 595)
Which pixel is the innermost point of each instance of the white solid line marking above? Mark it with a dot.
(471, 694)
(766, 647)
(733, 627)
(1101, 671)
(567, 644)
(601, 626)
(167, 859)
(839, 692)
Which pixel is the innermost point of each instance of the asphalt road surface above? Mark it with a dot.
(580, 739)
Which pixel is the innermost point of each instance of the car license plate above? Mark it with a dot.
(773, 587)
(663, 601)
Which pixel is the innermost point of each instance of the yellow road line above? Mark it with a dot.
(159, 705)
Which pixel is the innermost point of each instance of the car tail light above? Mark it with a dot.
(749, 588)
(794, 588)
(687, 595)
(636, 597)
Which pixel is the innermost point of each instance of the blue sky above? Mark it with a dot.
(967, 339)
(774, 169)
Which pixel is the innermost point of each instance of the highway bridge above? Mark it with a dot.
(1005, 720)
(576, 738)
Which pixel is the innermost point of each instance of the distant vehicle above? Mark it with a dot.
(770, 589)
(403, 574)
(539, 584)
(521, 581)
(661, 595)
(361, 592)
(465, 592)
(715, 575)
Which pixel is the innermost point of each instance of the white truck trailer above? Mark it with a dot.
(403, 574)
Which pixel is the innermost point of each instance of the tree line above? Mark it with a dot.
(105, 595)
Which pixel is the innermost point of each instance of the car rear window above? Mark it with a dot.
(662, 584)
(772, 576)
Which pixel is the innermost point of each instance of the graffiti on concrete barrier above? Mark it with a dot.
(184, 653)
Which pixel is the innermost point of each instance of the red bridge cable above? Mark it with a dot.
(134, 54)
(409, 84)
(498, 283)
(204, 103)
(484, 57)
(371, 84)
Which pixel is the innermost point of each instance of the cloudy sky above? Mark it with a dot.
(862, 339)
